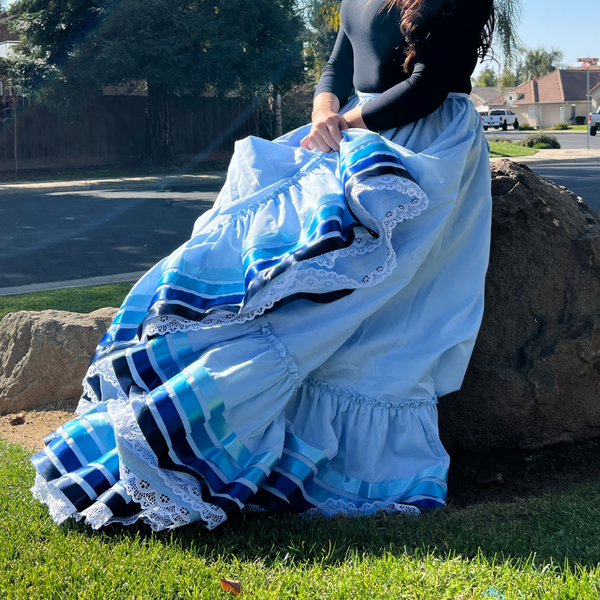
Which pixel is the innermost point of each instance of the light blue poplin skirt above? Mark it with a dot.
(290, 355)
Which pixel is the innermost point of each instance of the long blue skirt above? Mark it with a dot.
(290, 355)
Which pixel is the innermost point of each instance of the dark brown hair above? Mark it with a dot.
(416, 30)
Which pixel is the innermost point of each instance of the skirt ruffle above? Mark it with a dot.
(289, 356)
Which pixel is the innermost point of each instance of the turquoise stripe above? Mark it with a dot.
(295, 444)
(110, 461)
(140, 301)
(212, 396)
(201, 287)
(367, 138)
(188, 401)
(326, 200)
(159, 347)
(83, 440)
(101, 426)
(384, 489)
(282, 251)
(129, 316)
(183, 349)
(297, 467)
(246, 465)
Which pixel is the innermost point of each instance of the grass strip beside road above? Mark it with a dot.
(547, 547)
(498, 149)
(80, 300)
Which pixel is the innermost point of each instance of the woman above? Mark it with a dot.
(290, 355)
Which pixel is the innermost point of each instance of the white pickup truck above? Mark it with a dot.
(594, 122)
(500, 119)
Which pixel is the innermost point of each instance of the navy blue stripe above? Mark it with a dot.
(165, 294)
(290, 490)
(95, 479)
(118, 506)
(45, 466)
(184, 451)
(75, 493)
(145, 369)
(123, 373)
(94, 383)
(65, 455)
(157, 442)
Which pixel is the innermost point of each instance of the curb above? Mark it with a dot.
(133, 183)
(547, 161)
(72, 283)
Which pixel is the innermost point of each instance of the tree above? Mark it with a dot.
(486, 78)
(71, 48)
(538, 62)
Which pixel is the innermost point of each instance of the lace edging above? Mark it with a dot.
(159, 510)
(336, 508)
(298, 280)
(59, 507)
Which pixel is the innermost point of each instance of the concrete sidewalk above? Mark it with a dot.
(550, 157)
(163, 183)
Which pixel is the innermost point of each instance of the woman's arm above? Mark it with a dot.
(331, 94)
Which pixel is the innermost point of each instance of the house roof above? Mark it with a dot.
(562, 85)
(5, 34)
(482, 95)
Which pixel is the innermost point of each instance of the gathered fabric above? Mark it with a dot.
(290, 355)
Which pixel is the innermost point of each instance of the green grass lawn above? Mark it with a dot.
(539, 548)
(498, 149)
(81, 300)
(546, 548)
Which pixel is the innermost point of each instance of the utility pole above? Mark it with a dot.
(587, 63)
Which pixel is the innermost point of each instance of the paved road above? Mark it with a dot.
(568, 140)
(58, 237)
(581, 178)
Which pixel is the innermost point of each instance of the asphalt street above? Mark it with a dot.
(77, 235)
(568, 140)
(581, 178)
(58, 237)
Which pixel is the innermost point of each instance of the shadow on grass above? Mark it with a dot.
(555, 527)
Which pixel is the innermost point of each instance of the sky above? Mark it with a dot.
(571, 26)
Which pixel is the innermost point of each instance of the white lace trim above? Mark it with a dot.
(300, 280)
(59, 506)
(99, 515)
(159, 510)
(105, 370)
(335, 508)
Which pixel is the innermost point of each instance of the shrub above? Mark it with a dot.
(498, 139)
(580, 120)
(549, 140)
(526, 127)
(542, 146)
(560, 126)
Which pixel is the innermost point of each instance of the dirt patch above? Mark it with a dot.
(474, 478)
(37, 423)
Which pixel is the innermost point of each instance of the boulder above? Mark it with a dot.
(534, 378)
(44, 355)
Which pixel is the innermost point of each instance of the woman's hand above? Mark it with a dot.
(354, 118)
(325, 134)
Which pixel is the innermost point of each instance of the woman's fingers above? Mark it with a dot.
(325, 135)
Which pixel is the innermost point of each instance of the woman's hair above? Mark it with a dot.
(416, 28)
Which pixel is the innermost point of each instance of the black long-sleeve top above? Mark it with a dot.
(369, 54)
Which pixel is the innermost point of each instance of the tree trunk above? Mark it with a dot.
(159, 145)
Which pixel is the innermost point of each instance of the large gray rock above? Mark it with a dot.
(534, 378)
(44, 355)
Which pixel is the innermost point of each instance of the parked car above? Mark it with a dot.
(594, 122)
(500, 119)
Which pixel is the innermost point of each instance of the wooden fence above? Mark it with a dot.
(111, 132)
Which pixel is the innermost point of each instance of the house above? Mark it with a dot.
(557, 97)
(7, 37)
(480, 96)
